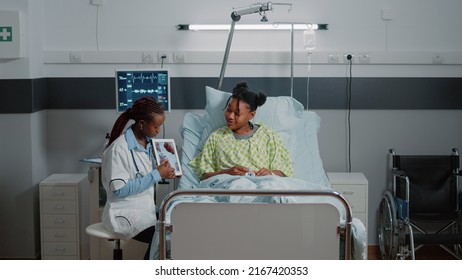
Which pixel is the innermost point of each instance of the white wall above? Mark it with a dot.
(116, 33)
(415, 25)
(23, 141)
(24, 163)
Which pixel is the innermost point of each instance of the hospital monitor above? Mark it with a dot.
(132, 84)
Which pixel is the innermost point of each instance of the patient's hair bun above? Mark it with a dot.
(261, 98)
(242, 91)
(241, 87)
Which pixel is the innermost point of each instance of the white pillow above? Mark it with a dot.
(297, 128)
(214, 112)
(281, 113)
(191, 130)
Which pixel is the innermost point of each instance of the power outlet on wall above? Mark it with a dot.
(163, 56)
(147, 57)
(437, 58)
(348, 56)
(178, 57)
(364, 58)
(75, 57)
(333, 58)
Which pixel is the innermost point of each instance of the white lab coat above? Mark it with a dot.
(127, 216)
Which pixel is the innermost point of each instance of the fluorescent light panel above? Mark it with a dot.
(275, 26)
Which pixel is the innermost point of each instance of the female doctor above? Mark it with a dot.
(129, 172)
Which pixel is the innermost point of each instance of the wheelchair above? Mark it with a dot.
(423, 206)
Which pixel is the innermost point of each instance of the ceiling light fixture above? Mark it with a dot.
(269, 27)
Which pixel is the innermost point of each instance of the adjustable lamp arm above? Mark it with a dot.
(236, 16)
(252, 9)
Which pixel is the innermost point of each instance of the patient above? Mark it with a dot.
(242, 147)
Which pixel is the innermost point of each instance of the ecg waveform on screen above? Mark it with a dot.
(140, 91)
(150, 78)
(134, 85)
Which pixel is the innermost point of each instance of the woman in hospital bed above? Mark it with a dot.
(282, 141)
(242, 147)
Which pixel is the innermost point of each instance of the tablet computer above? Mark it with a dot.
(166, 149)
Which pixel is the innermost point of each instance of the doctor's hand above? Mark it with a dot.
(165, 170)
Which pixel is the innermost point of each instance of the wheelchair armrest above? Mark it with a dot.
(399, 173)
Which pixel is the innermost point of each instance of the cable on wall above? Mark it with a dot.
(162, 61)
(386, 35)
(387, 15)
(348, 122)
(97, 28)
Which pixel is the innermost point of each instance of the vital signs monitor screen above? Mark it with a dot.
(137, 83)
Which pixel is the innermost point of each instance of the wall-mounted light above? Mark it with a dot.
(274, 26)
(292, 26)
(260, 8)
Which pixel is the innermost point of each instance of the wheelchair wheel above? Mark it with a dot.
(387, 227)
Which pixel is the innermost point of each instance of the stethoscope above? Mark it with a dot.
(138, 174)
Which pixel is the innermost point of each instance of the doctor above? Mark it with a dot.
(129, 172)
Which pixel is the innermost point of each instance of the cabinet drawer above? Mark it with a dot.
(60, 248)
(59, 221)
(62, 193)
(59, 234)
(356, 196)
(55, 206)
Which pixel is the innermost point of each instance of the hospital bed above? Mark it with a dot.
(270, 217)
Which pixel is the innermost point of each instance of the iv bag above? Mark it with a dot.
(309, 39)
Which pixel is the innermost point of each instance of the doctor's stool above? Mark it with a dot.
(98, 230)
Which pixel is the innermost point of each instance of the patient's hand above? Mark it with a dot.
(267, 172)
(237, 170)
(263, 172)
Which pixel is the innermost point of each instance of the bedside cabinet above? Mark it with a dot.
(64, 217)
(354, 187)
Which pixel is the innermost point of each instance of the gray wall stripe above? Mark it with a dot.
(31, 95)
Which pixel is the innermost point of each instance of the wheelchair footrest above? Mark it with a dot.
(447, 239)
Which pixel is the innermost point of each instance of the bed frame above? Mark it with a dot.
(208, 230)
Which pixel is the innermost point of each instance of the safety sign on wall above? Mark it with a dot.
(6, 34)
(12, 34)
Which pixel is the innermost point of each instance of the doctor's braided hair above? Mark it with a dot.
(144, 108)
(242, 92)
